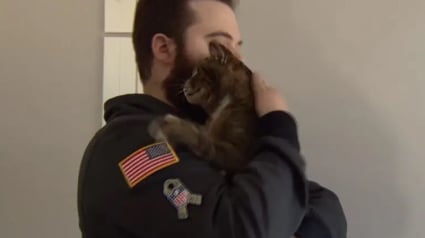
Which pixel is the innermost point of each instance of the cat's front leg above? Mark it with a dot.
(157, 125)
(174, 130)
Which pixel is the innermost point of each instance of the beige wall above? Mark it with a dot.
(354, 72)
(50, 94)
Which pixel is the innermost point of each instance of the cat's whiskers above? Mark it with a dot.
(178, 86)
(181, 91)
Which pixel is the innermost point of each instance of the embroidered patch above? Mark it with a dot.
(177, 193)
(146, 161)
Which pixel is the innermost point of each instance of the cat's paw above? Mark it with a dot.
(171, 119)
(155, 130)
(162, 128)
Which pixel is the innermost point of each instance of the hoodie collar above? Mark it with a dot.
(133, 104)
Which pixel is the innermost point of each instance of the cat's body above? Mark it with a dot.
(221, 84)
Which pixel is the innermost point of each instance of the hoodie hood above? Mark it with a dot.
(135, 104)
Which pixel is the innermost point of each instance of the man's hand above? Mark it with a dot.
(267, 99)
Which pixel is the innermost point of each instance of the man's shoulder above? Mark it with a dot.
(123, 152)
(119, 138)
(120, 134)
(125, 165)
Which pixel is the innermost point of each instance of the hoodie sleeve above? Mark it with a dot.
(269, 198)
(325, 217)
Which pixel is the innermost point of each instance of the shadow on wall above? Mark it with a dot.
(347, 140)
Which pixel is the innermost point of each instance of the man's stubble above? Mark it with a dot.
(173, 87)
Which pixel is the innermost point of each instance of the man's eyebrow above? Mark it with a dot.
(222, 34)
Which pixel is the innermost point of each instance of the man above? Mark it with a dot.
(130, 186)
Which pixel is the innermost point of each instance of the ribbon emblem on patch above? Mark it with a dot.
(146, 161)
(177, 193)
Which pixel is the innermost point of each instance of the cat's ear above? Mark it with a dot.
(219, 51)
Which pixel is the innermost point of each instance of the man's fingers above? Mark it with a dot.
(267, 99)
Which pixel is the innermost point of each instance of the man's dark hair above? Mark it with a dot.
(169, 17)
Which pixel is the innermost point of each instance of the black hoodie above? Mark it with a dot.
(270, 198)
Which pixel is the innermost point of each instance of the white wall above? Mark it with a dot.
(353, 71)
(354, 74)
(50, 97)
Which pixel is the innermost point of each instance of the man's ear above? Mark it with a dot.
(164, 49)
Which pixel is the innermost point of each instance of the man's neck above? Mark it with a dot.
(153, 89)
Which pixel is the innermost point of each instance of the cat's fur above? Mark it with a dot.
(221, 85)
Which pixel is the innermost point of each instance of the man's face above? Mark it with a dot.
(213, 21)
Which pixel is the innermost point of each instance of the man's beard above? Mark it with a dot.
(173, 87)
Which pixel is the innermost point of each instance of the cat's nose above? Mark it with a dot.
(186, 87)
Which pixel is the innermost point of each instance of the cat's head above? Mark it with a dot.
(218, 75)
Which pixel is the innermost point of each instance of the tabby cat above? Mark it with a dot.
(221, 85)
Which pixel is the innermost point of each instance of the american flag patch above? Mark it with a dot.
(146, 161)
